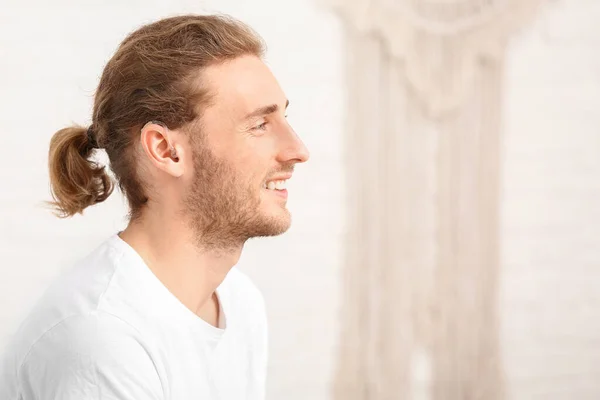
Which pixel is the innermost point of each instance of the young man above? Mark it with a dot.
(194, 125)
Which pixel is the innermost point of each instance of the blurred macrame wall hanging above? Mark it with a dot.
(423, 85)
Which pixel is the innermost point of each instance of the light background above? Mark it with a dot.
(51, 56)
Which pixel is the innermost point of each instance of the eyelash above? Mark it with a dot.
(263, 126)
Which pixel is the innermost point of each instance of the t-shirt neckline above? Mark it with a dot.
(180, 311)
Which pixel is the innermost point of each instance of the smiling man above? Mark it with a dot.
(194, 126)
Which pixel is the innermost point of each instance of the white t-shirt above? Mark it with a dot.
(109, 329)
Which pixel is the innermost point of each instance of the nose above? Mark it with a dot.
(293, 148)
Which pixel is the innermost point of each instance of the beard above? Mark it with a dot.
(223, 208)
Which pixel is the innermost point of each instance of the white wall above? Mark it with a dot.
(50, 60)
(551, 286)
(51, 55)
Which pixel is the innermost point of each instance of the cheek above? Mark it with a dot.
(253, 174)
(254, 162)
(242, 173)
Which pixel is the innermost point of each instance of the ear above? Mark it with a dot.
(159, 145)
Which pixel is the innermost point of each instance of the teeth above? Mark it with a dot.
(279, 185)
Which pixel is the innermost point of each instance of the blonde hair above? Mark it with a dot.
(150, 77)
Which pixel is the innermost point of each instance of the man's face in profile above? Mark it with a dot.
(243, 155)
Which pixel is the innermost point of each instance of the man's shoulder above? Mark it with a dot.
(88, 332)
(86, 352)
(91, 335)
(69, 307)
(75, 292)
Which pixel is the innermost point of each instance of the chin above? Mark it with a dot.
(273, 223)
(281, 222)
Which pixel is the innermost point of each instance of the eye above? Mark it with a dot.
(261, 127)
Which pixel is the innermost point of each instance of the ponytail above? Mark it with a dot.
(77, 182)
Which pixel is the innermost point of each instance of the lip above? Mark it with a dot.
(280, 193)
(280, 177)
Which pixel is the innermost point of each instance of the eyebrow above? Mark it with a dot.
(270, 109)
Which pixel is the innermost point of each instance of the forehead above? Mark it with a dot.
(242, 85)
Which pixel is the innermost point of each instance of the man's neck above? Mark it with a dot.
(190, 272)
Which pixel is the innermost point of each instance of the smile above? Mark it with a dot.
(276, 185)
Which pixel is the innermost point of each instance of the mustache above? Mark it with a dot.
(284, 169)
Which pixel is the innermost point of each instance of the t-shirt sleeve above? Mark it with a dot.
(90, 357)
